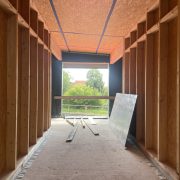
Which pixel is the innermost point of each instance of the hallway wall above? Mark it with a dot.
(25, 71)
(151, 70)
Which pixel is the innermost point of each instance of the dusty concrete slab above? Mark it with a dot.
(88, 157)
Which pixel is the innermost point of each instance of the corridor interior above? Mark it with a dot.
(87, 157)
(140, 42)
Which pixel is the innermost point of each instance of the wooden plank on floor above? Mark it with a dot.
(83, 124)
(91, 128)
(72, 133)
(33, 90)
(12, 92)
(69, 122)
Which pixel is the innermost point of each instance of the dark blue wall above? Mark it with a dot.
(84, 57)
(115, 80)
(56, 86)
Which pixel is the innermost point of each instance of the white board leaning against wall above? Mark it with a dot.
(121, 115)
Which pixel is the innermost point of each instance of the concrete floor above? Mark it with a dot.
(88, 157)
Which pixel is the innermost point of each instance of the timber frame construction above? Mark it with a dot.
(151, 65)
(151, 70)
(25, 81)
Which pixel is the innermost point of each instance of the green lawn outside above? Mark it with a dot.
(96, 111)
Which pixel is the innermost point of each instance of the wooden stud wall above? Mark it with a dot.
(140, 90)
(25, 70)
(3, 89)
(151, 91)
(23, 90)
(155, 52)
(33, 118)
(40, 124)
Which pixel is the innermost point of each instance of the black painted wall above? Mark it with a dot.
(84, 57)
(115, 81)
(56, 86)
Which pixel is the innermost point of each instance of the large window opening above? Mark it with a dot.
(84, 85)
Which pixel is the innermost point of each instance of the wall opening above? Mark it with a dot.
(86, 83)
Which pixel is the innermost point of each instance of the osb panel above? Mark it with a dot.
(126, 15)
(90, 41)
(46, 13)
(56, 51)
(88, 17)
(82, 49)
(111, 42)
(58, 38)
(83, 16)
(104, 51)
(116, 54)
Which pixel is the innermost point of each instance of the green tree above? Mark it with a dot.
(82, 90)
(66, 81)
(94, 80)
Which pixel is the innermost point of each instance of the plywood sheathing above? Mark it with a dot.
(83, 21)
(116, 53)
(109, 42)
(126, 15)
(82, 16)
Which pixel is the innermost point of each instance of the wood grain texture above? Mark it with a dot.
(40, 90)
(140, 90)
(151, 92)
(178, 93)
(12, 93)
(46, 90)
(3, 89)
(33, 91)
(23, 90)
(172, 93)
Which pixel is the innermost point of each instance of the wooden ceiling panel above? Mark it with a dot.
(79, 40)
(82, 49)
(46, 13)
(104, 51)
(82, 16)
(58, 38)
(82, 22)
(126, 15)
(110, 42)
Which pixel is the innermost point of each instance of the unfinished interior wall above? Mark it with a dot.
(155, 51)
(24, 78)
